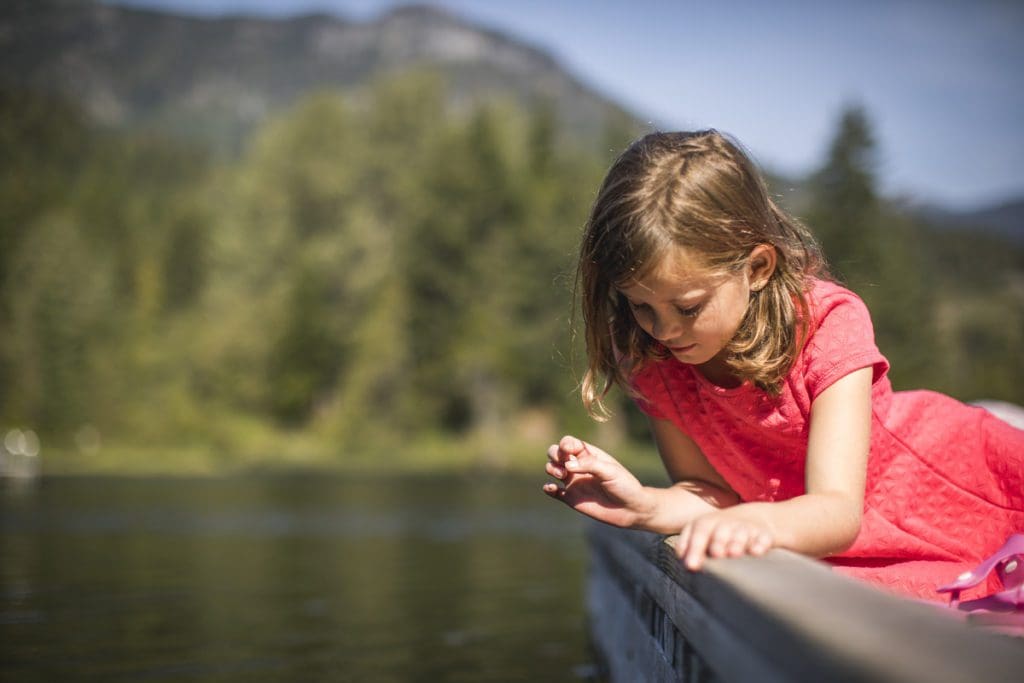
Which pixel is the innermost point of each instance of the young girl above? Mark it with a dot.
(767, 397)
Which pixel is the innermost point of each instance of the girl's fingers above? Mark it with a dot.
(556, 472)
(697, 547)
(554, 490)
(558, 453)
(588, 464)
(570, 444)
(572, 447)
(738, 543)
(761, 543)
(567, 495)
(719, 541)
(558, 456)
(683, 543)
(702, 538)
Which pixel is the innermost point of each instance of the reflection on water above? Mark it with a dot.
(289, 578)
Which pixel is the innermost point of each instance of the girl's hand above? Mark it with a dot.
(596, 484)
(723, 533)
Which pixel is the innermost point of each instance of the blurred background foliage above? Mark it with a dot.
(386, 279)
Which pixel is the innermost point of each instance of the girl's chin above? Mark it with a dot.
(687, 354)
(696, 355)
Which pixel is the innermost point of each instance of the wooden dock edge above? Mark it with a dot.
(782, 617)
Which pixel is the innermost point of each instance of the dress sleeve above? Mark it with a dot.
(841, 341)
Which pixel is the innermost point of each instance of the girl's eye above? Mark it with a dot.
(691, 312)
(637, 308)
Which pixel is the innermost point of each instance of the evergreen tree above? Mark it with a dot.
(845, 212)
(875, 250)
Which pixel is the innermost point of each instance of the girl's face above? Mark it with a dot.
(693, 311)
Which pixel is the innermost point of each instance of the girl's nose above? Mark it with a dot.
(665, 329)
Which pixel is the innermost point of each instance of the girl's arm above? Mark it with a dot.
(825, 520)
(684, 462)
(596, 484)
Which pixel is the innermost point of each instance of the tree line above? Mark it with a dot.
(378, 268)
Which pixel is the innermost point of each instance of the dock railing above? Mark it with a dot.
(782, 617)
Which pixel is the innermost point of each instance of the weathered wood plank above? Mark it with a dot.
(782, 617)
(630, 595)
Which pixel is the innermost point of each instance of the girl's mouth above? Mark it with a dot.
(682, 349)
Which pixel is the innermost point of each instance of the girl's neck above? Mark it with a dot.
(718, 373)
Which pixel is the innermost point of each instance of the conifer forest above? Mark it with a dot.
(389, 273)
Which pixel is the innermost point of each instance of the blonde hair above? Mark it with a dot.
(697, 190)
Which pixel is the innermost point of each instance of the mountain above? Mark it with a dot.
(216, 78)
(1005, 219)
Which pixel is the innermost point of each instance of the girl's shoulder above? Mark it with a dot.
(840, 337)
(827, 299)
(819, 290)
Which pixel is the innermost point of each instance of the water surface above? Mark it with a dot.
(291, 578)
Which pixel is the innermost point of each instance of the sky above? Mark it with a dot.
(941, 80)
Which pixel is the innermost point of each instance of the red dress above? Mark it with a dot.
(945, 481)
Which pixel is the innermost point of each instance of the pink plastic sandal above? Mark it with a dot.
(1002, 609)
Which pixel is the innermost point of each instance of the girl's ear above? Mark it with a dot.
(760, 265)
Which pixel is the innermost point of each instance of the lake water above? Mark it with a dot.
(292, 578)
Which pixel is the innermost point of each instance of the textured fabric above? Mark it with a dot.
(945, 481)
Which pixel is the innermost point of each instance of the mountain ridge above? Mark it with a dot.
(1004, 218)
(218, 77)
(215, 78)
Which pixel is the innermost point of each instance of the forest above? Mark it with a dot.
(386, 280)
